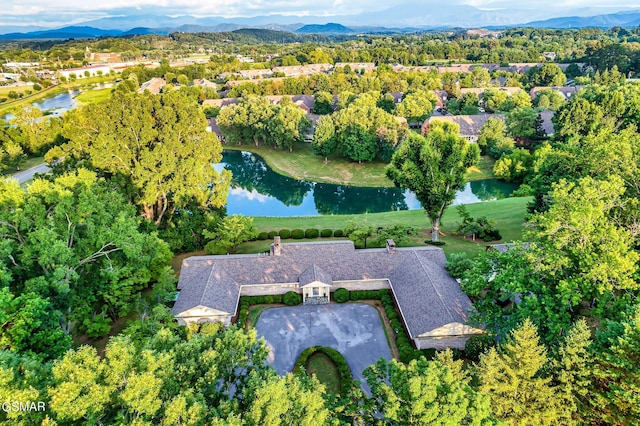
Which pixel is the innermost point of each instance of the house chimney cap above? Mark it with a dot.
(391, 246)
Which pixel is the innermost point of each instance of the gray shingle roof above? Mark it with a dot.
(208, 284)
(427, 295)
(314, 273)
(470, 125)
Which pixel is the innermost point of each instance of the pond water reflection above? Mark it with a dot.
(55, 105)
(259, 191)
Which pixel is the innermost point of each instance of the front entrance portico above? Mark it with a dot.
(316, 286)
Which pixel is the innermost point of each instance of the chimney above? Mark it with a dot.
(276, 247)
(391, 246)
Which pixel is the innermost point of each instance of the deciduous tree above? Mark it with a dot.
(433, 167)
(157, 144)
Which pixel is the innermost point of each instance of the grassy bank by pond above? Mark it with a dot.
(509, 215)
(303, 164)
(8, 106)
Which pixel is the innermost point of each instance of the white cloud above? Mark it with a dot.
(68, 11)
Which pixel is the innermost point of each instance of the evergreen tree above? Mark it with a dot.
(512, 378)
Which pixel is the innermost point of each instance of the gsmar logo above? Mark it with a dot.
(17, 406)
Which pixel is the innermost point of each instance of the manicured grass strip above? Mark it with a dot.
(508, 213)
(254, 314)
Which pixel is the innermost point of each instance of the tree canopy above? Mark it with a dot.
(156, 146)
(433, 167)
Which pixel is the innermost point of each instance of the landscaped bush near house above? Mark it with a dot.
(338, 233)
(272, 234)
(341, 295)
(458, 264)
(263, 236)
(311, 233)
(477, 345)
(291, 298)
(212, 248)
(325, 233)
(297, 234)
(285, 233)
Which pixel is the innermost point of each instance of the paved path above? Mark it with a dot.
(26, 175)
(353, 329)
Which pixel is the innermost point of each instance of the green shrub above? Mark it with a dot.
(297, 234)
(326, 233)
(523, 190)
(341, 295)
(215, 248)
(311, 233)
(458, 264)
(272, 234)
(291, 298)
(285, 233)
(338, 233)
(477, 345)
(263, 236)
(303, 357)
(98, 326)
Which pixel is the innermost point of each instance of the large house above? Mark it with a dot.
(431, 303)
(470, 125)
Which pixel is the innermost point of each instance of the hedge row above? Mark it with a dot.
(406, 351)
(346, 378)
(300, 234)
(246, 301)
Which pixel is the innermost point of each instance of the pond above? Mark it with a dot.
(54, 105)
(259, 191)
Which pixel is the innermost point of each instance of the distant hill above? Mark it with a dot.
(64, 33)
(621, 19)
(330, 28)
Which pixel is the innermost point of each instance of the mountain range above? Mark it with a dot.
(457, 16)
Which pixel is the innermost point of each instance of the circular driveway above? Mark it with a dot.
(353, 329)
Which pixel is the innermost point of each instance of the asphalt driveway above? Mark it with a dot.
(353, 329)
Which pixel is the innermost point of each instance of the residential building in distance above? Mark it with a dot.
(154, 86)
(470, 125)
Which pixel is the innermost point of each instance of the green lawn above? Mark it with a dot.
(254, 313)
(303, 164)
(4, 90)
(27, 164)
(325, 370)
(482, 170)
(8, 106)
(51, 91)
(94, 95)
(508, 213)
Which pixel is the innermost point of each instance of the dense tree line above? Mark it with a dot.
(360, 130)
(254, 120)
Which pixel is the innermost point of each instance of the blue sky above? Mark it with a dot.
(62, 12)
